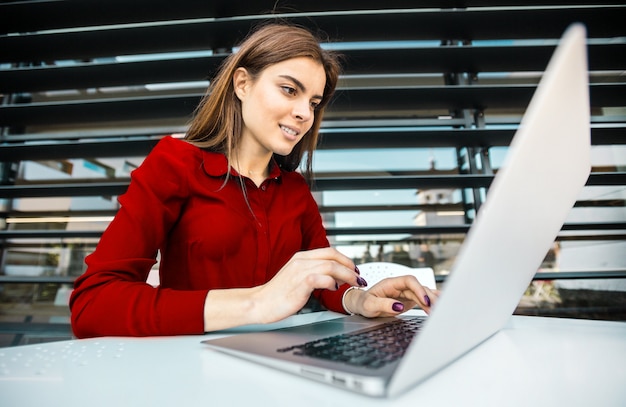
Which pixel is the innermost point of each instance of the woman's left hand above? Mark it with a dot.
(390, 297)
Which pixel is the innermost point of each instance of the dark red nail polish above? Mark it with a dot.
(356, 270)
(427, 300)
(397, 307)
(361, 281)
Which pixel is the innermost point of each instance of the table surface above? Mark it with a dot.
(533, 361)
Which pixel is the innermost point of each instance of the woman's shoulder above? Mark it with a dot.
(174, 151)
(169, 144)
(169, 158)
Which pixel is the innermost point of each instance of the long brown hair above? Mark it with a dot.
(218, 123)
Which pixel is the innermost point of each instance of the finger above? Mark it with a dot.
(424, 295)
(407, 286)
(427, 301)
(322, 281)
(339, 266)
(431, 296)
(322, 273)
(344, 275)
(382, 307)
(328, 253)
(406, 289)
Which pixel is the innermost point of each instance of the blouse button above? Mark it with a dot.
(263, 188)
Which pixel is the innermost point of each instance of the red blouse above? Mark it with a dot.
(208, 237)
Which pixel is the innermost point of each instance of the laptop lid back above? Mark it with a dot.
(546, 167)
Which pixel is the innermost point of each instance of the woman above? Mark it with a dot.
(239, 234)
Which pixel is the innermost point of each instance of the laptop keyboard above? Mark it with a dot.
(372, 348)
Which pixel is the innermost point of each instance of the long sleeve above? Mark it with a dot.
(112, 297)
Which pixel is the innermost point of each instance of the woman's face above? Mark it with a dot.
(278, 107)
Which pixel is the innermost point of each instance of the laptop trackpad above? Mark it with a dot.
(334, 326)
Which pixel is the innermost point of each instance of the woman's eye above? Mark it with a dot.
(314, 105)
(289, 90)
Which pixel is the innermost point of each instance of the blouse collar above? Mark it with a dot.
(216, 165)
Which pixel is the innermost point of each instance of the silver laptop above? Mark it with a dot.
(547, 165)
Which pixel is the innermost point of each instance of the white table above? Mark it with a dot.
(534, 361)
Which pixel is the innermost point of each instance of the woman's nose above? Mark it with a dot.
(302, 110)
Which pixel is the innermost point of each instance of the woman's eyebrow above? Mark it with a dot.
(299, 85)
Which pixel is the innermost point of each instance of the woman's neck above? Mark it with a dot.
(255, 169)
(251, 160)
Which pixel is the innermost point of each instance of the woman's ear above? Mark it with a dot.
(241, 82)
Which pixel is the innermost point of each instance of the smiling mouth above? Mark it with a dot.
(289, 131)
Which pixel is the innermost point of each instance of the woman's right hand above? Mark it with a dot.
(283, 295)
(291, 287)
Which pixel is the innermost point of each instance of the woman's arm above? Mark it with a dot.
(284, 294)
(112, 296)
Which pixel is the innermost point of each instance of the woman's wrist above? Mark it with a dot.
(228, 308)
(347, 300)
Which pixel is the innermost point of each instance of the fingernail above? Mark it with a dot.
(361, 281)
(336, 286)
(427, 300)
(397, 307)
(356, 270)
